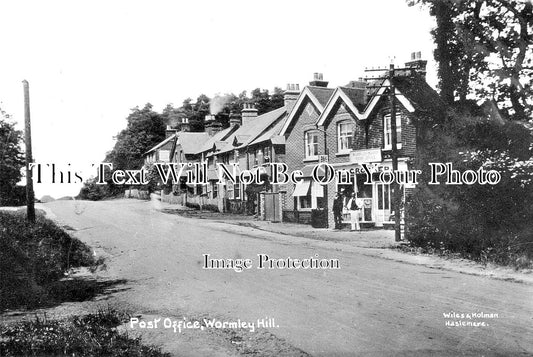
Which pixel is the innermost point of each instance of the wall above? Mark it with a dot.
(304, 120)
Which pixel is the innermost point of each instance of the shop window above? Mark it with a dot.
(387, 132)
(311, 145)
(344, 137)
(305, 201)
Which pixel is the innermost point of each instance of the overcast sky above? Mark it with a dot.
(89, 63)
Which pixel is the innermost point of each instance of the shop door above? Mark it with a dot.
(383, 204)
(365, 198)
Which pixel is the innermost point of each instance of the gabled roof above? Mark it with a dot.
(319, 96)
(420, 94)
(170, 138)
(239, 139)
(253, 129)
(217, 138)
(271, 134)
(322, 94)
(191, 142)
(356, 95)
(361, 114)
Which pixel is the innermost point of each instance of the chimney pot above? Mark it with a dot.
(248, 113)
(291, 95)
(318, 80)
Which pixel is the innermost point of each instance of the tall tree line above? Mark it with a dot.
(484, 52)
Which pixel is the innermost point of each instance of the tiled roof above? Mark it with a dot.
(271, 134)
(322, 94)
(254, 128)
(221, 135)
(191, 142)
(356, 95)
(170, 138)
(420, 94)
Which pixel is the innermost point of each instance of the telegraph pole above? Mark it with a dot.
(395, 186)
(30, 196)
(396, 194)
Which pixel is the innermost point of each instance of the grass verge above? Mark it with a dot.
(33, 256)
(78, 336)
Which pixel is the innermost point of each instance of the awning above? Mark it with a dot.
(302, 188)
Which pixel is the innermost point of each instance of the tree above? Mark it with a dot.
(484, 50)
(145, 129)
(11, 161)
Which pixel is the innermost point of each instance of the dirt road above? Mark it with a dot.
(368, 307)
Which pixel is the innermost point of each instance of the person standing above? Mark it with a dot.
(353, 209)
(337, 210)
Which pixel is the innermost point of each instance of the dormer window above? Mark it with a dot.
(311, 145)
(344, 137)
(387, 132)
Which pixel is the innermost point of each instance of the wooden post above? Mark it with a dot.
(30, 196)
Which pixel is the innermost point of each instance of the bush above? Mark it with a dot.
(480, 222)
(34, 255)
(80, 336)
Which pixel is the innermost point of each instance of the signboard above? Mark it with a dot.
(364, 156)
(323, 159)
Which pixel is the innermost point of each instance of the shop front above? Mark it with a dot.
(367, 175)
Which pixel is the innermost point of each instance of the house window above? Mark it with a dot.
(266, 157)
(237, 190)
(258, 157)
(230, 187)
(344, 136)
(164, 155)
(311, 145)
(387, 132)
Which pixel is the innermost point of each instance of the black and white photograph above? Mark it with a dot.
(281, 178)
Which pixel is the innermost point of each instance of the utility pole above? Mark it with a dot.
(30, 196)
(396, 194)
(395, 187)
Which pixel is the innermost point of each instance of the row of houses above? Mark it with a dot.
(343, 126)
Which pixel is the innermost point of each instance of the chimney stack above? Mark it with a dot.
(248, 113)
(291, 96)
(211, 125)
(318, 81)
(169, 132)
(184, 124)
(417, 63)
(234, 119)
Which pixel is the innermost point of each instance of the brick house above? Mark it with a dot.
(352, 128)
(304, 145)
(253, 143)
